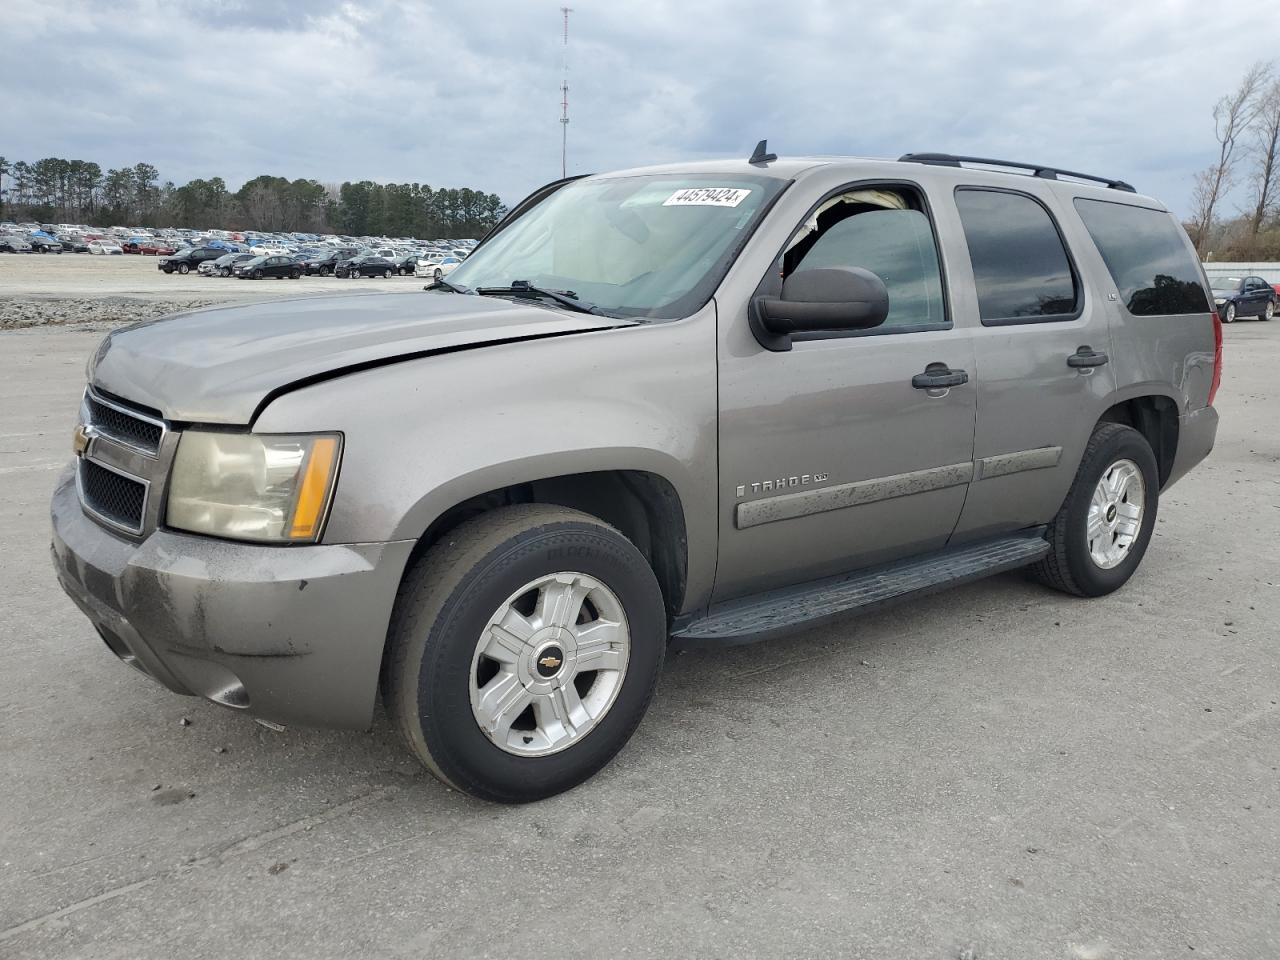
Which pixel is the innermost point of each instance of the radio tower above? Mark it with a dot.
(564, 99)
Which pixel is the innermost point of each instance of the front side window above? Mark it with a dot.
(1148, 257)
(1020, 266)
(886, 231)
(646, 246)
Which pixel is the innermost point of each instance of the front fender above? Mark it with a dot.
(423, 435)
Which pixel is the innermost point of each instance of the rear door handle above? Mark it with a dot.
(938, 376)
(1087, 357)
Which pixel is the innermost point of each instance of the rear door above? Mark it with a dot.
(1042, 345)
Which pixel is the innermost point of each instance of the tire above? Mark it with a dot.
(438, 276)
(325, 272)
(387, 273)
(1071, 566)
(257, 274)
(184, 268)
(1269, 310)
(224, 272)
(447, 600)
(1230, 315)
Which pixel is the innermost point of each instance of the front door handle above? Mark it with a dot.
(938, 376)
(1087, 357)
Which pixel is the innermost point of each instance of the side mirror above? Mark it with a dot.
(819, 300)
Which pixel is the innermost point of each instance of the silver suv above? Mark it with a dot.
(704, 403)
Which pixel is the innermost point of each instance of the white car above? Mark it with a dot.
(105, 247)
(268, 250)
(436, 266)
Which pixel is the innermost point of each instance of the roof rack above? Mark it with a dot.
(1038, 169)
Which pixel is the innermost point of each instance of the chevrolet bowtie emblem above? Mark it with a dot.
(80, 440)
(549, 662)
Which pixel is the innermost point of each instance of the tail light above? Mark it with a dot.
(1217, 358)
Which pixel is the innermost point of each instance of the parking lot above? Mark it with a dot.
(994, 772)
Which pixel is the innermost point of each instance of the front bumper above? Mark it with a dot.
(290, 634)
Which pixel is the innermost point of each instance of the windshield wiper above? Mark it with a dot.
(523, 288)
(443, 284)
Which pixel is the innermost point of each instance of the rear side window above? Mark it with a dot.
(1147, 256)
(1020, 266)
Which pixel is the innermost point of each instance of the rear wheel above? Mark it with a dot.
(1269, 311)
(1104, 526)
(524, 649)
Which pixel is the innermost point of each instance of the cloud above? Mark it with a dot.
(468, 93)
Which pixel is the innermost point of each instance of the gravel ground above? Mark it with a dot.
(37, 290)
(995, 772)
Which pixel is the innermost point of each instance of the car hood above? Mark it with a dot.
(221, 365)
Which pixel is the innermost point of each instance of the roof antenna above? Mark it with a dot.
(761, 154)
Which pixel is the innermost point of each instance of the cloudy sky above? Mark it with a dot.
(467, 93)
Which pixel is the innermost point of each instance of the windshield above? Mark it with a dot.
(649, 246)
(1225, 283)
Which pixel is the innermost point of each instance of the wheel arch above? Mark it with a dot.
(641, 504)
(1155, 416)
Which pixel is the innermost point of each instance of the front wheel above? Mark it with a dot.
(184, 269)
(524, 649)
(438, 276)
(1230, 315)
(224, 272)
(325, 272)
(257, 274)
(386, 274)
(1269, 311)
(1102, 530)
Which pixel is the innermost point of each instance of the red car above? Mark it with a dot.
(155, 248)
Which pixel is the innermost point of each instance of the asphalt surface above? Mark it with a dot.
(994, 772)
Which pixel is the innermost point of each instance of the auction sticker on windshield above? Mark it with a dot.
(707, 197)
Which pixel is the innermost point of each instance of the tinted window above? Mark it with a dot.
(897, 246)
(1019, 264)
(1147, 256)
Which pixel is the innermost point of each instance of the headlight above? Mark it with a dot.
(266, 487)
(1220, 302)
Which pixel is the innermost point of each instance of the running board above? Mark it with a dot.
(792, 608)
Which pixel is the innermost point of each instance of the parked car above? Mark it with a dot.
(43, 243)
(366, 265)
(105, 246)
(74, 244)
(439, 267)
(221, 267)
(407, 264)
(260, 267)
(12, 243)
(156, 248)
(184, 261)
(324, 264)
(1243, 297)
(842, 431)
(268, 249)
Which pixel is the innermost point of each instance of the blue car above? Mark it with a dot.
(1243, 297)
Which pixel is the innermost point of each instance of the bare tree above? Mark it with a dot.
(1266, 157)
(1232, 116)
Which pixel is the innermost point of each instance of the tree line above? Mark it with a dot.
(79, 191)
(1246, 125)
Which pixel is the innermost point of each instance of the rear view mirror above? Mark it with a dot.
(824, 299)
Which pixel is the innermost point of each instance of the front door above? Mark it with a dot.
(830, 459)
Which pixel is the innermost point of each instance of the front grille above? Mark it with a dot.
(114, 497)
(114, 422)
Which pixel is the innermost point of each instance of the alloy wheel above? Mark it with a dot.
(549, 665)
(1115, 513)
